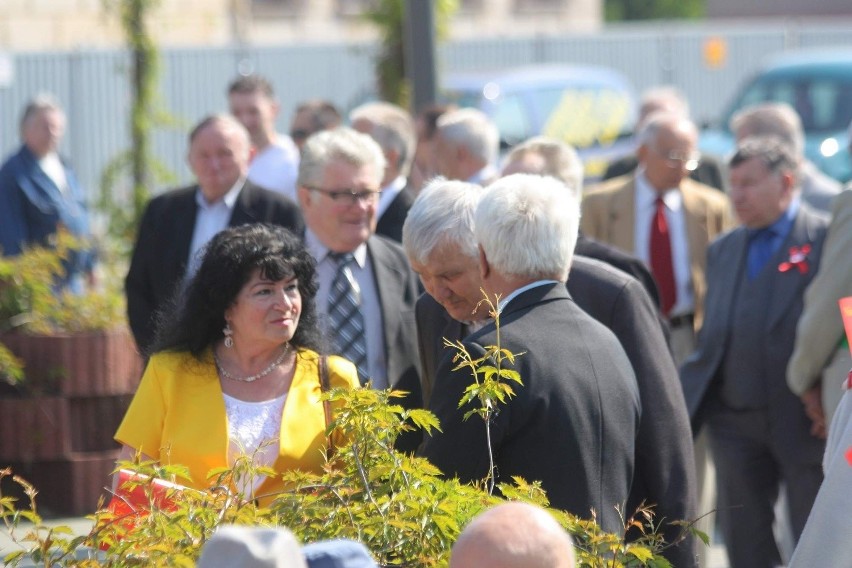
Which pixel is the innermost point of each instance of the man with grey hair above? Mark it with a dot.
(366, 288)
(665, 219)
(551, 157)
(782, 120)
(735, 381)
(513, 535)
(393, 130)
(440, 244)
(572, 423)
(667, 98)
(467, 145)
(39, 193)
(177, 224)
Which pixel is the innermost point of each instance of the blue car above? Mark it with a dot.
(818, 84)
(592, 108)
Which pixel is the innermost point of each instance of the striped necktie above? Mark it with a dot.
(345, 317)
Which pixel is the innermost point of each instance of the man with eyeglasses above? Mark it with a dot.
(665, 219)
(367, 290)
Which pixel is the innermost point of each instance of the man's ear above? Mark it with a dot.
(303, 195)
(484, 267)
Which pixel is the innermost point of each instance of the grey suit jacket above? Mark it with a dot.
(701, 373)
(664, 473)
(573, 423)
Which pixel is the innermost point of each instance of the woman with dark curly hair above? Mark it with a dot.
(236, 368)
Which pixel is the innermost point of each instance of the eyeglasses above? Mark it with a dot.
(349, 197)
(688, 159)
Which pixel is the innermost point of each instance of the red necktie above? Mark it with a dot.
(661, 257)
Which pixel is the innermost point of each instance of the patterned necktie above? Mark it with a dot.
(345, 317)
(662, 266)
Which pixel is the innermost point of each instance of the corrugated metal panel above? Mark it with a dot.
(94, 85)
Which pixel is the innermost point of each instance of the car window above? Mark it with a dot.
(824, 104)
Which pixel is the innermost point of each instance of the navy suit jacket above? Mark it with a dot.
(32, 207)
(161, 254)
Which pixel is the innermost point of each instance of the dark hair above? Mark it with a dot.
(228, 262)
(773, 151)
(248, 84)
(323, 114)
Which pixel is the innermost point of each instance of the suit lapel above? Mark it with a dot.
(388, 288)
(695, 217)
(243, 211)
(787, 285)
(727, 274)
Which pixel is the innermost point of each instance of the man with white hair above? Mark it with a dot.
(467, 146)
(440, 244)
(782, 120)
(513, 535)
(572, 424)
(366, 288)
(393, 130)
(667, 98)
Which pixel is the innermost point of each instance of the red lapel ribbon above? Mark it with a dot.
(798, 259)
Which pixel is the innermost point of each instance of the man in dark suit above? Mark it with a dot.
(439, 241)
(176, 225)
(572, 424)
(339, 177)
(393, 130)
(735, 379)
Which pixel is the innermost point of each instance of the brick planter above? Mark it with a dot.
(50, 428)
(70, 486)
(81, 364)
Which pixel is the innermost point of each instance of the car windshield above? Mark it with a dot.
(823, 103)
(581, 115)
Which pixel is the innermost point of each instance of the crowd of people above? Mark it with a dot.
(678, 321)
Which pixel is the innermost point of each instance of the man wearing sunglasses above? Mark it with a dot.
(367, 290)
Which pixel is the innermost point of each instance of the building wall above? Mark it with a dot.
(764, 8)
(33, 25)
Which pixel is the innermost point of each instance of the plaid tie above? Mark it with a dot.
(345, 317)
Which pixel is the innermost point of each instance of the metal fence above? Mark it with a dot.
(93, 86)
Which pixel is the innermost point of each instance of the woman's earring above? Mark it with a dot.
(229, 335)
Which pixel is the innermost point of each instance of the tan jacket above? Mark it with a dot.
(609, 216)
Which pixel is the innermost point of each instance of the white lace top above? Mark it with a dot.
(250, 425)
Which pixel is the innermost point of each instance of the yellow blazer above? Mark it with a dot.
(609, 216)
(178, 416)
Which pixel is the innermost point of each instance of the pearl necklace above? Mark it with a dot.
(251, 378)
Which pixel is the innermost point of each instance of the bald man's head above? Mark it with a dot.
(513, 535)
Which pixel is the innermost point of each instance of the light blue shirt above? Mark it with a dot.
(210, 219)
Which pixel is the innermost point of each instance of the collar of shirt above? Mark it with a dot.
(229, 199)
(321, 253)
(646, 196)
(484, 174)
(782, 226)
(505, 301)
(389, 193)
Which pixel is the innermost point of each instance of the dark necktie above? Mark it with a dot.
(662, 266)
(345, 317)
(759, 251)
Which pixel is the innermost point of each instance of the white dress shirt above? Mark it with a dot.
(371, 308)
(210, 219)
(646, 210)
